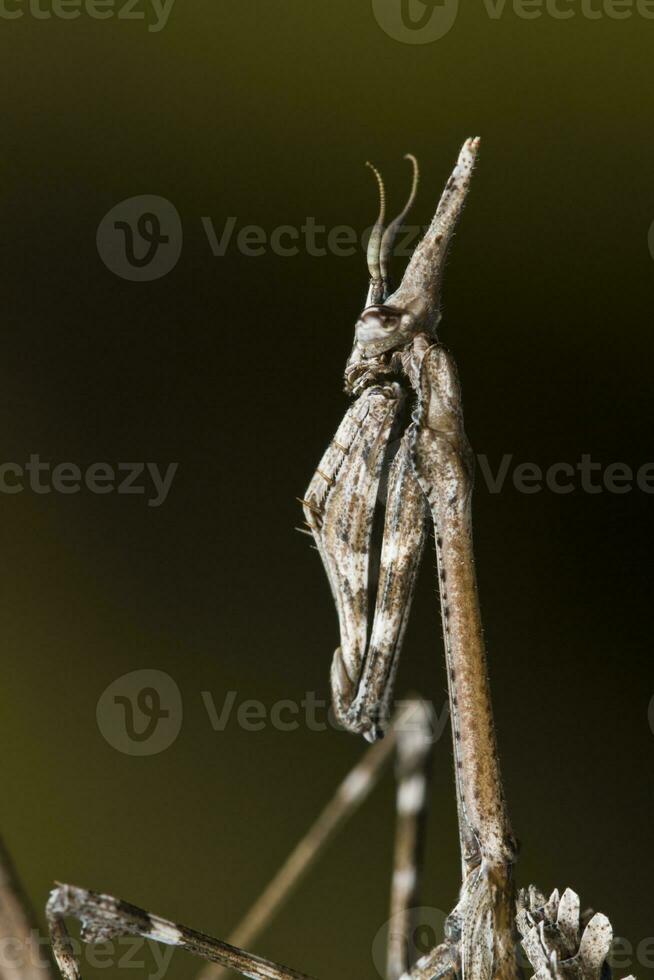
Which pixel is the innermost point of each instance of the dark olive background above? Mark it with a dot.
(232, 367)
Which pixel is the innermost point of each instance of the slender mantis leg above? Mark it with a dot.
(444, 469)
(104, 917)
(414, 751)
(443, 465)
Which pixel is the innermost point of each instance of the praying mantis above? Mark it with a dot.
(405, 430)
(399, 460)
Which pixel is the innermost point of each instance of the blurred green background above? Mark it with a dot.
(231, 366)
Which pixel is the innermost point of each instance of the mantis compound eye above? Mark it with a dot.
(381, 328)
(377, 323)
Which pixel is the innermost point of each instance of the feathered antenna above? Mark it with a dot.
(388, 239)
(375, 240)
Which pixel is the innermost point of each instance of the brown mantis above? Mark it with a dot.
(406, 387)
(402, 442)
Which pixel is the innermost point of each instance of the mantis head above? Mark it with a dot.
(392, 318)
